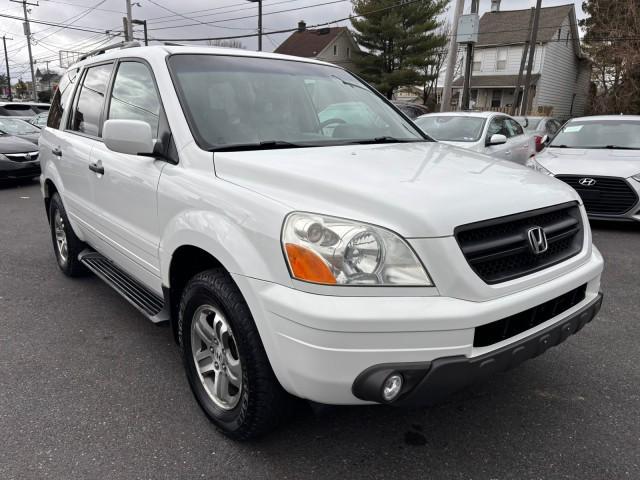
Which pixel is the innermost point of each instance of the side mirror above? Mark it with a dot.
(497, 139)
(132, 137)
(545, 139)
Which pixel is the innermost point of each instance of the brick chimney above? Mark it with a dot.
(495, 5)
(302, 26)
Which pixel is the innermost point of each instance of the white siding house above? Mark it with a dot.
(560, 74)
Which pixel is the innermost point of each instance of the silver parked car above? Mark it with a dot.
(600, 158)
(539, 127)
(492, 133)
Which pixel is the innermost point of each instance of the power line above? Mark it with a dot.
(268, 13)
(194, 19)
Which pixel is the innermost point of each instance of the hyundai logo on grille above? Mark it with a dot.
(537, 240)
(587, 182)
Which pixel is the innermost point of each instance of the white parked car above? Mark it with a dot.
(495, 134)
(600, 158)
(344, 260)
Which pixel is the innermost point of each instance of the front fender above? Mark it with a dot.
(239, 247)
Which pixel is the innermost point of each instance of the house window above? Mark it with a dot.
(335, 50)
(477, 66)
(496, 98)
(501, 62)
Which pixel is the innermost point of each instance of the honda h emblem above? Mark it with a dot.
(537, 240)
(587, 182)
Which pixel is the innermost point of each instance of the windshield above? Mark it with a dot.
(615, 134)
(245, 101)
(452, 128)
(17, 127)
(531, 123)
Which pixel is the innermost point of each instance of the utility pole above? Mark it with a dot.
(451, 59)
(523, 61)
(259, 2)
(27, 32)
(6, 59)
(144, 24)
(129, 25)
(468, 65)
(532, 56)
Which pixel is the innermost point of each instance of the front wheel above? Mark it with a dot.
(225, 361)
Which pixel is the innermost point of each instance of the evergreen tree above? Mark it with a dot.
(399, 42)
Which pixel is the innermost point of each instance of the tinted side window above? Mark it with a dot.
(513, 127)
(497, 126)
(61, 97)
(88, 110)
(134, 95)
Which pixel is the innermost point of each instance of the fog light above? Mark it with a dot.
(392, 387)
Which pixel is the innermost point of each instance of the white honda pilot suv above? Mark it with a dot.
(303, 238)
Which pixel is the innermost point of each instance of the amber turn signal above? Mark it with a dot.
(308, 266)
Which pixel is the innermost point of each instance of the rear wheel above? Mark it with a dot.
(66, 245)
(225, 361)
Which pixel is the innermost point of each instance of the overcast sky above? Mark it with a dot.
(222, 18)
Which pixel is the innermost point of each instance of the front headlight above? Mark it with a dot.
(335, 251)
(533, 164)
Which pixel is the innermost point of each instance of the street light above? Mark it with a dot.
(259, 2)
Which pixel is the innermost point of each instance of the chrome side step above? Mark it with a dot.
(149, 303)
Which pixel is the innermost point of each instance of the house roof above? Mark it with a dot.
(489, 81)
(309, 43)
(512, 26)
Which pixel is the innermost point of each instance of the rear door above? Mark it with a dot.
(126, 192)
(71, 148)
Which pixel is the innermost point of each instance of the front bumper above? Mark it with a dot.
(10, 170)
(431, 382)
(319, 344)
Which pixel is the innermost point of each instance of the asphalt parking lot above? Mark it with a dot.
(90, 389)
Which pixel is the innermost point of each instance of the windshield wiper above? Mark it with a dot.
(387, 139)
(264, 145)
(560, 146)
(618, 147)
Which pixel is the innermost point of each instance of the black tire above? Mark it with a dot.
(69, 264)
(263, 403)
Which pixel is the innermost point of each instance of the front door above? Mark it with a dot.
(127, 190)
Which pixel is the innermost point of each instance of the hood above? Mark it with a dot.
(13, 144)
(31, 137)
(416, 189)
(466, 145)
(589, 161)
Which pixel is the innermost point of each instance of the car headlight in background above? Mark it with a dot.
(336, 251)
(533, 164)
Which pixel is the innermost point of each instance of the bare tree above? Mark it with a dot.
(432, 70)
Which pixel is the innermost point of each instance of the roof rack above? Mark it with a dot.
(101, 50)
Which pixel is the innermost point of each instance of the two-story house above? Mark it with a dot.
(561, 72)
(332, 44)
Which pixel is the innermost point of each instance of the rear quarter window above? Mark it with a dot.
(61, 98)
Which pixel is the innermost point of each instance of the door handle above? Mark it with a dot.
(97, 167)
(56, 151)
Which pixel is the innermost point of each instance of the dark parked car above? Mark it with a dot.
(539, 127)
(20, 128)
(18, 159)
(411, 110)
